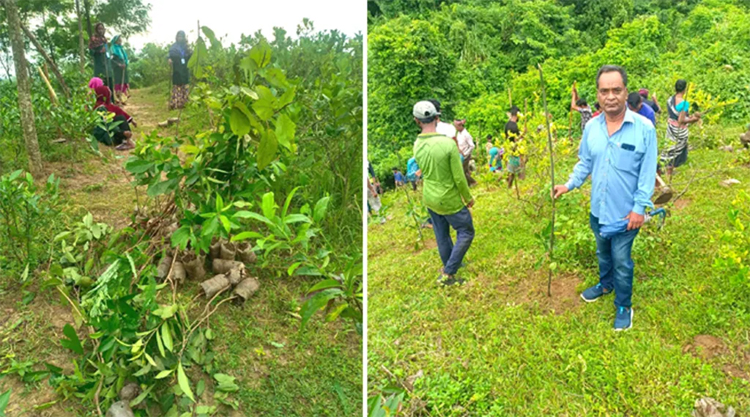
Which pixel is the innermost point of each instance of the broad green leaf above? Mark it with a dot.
(239, 122)
(181, 237)
(166, 337)
(72, 342)
(297, 218)
(246, 236)
(243, 214)
(198, 59)
(162, 187)
(164, 374)
(4, 400)
(317, 302)
(266, 104)
(210, 227)
(226, 383)
(334, 314)
(288, 201)
(285, 98)
(138, 166)
(160, 344)
(139, 399)
(268, 205)
(261, 54)
(267, 149)
(320, 209)
(215, 44)
(260, 217)
(184, 382)
(225, 222)
(285, 129)
(293, 267)
(329, 283)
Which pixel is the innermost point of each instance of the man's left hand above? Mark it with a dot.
(636, 220)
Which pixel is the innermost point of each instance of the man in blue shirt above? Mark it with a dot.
(619, 152)
(636, 104)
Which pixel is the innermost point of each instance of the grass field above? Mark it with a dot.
(282, 371)
(498, 346)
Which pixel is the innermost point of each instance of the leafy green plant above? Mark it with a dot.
(25, 212)
(340, 295)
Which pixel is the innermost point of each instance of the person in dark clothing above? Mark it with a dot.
(117, 131)
(99, 51)
(653, 103)
(179, 55)
(513, 134)
(120, 69)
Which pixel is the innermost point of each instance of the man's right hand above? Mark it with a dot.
(559, 190)
(471, 204)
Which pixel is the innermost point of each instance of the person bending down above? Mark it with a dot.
(117, 131)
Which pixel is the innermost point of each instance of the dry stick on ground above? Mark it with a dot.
(187, 339)
(711, 174)
(96, 396)
(552, 180)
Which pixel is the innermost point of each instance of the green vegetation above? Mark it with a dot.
(264, 155)
(468, 54)
(498, 345)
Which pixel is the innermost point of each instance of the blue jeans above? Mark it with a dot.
(452, 255)
(615, 263)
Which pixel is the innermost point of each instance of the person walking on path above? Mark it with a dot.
(179, 55)
(446, 192)
(619, 151)
(120, 69)
(677, 127)
(465, 147)
(101, 54)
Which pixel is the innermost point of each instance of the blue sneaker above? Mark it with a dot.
(624, 318)
(592, 294)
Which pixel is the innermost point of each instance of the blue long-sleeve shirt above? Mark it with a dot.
(622, 167)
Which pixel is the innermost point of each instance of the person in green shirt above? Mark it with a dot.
(446, 192)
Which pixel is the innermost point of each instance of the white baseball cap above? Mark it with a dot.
(425, 110)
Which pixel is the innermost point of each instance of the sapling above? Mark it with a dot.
(552, 264)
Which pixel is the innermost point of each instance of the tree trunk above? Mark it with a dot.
(51, 63)
(87, 10)
(24, 89)
(81, 50)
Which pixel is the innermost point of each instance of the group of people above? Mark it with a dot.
(678, 122)
(618, 151)
(111, 75)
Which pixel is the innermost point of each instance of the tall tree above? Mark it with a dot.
(24, 88)
(81, 50)
(87, 9)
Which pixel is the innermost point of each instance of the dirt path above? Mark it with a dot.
(101, 185)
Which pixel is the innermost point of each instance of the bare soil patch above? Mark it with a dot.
(706, 347)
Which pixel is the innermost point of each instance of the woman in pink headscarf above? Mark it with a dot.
(95, 83)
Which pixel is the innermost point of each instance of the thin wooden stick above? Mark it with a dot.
(552, 179)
